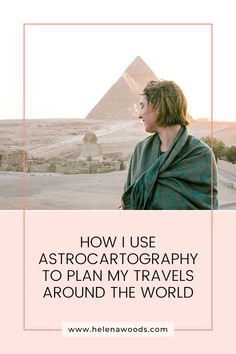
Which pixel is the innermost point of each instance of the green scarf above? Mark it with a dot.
(178, 179)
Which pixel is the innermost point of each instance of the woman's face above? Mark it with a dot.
(148, 115)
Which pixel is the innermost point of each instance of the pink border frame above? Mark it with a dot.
(24, 156)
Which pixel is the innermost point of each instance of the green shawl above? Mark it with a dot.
(178, 179)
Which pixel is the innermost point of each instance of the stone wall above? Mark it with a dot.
(93, 166)
(12, 161)
(40, 165)
(75, 167)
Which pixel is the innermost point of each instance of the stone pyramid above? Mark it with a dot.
(121, 101)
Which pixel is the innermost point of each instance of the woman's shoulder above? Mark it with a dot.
(198, 143)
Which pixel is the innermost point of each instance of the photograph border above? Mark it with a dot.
(24, 160)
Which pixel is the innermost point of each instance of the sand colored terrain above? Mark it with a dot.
(114, 122)
(49, 138)
(79, 192)
(59, 191)
(62, 138)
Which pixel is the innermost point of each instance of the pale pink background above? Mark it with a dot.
(15, 339)
(59, 231)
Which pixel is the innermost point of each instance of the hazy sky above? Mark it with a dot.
(70, 68)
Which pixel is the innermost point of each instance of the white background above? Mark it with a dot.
(69, 68)
(54, 100)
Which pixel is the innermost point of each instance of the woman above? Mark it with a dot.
(169, 169)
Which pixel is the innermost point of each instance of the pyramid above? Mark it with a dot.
(121, 101)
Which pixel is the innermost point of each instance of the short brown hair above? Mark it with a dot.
(169, 99)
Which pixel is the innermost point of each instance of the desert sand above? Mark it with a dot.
(45, 191)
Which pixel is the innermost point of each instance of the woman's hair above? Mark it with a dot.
(170, 102)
